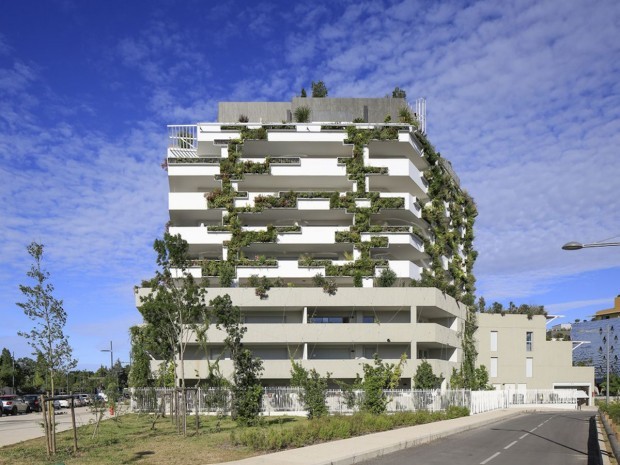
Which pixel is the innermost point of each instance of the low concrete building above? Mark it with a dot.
(518, 357)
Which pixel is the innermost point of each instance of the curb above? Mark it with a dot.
(613, 441)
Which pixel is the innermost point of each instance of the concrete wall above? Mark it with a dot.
(551, 360)
(267, 112)
(347, 109)
(335, 110)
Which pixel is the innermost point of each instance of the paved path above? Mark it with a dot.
(355, 450)
(18, 428)
(549, 438)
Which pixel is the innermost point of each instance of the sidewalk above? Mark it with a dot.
(354, 450)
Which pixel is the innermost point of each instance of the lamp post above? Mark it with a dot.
(111, 355)
(578, 246)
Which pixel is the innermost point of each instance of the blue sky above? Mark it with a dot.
(523, 98)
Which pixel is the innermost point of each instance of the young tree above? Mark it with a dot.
(175, 311)
(319, 89)
(377, 379)
(424, 377)
(246, 388)
(140, 372)
(314, 389)
(303, 93)
(50, 344)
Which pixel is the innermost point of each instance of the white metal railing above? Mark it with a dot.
(287, 400)
(182, 136)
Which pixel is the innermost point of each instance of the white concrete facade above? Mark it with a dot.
(314, 234)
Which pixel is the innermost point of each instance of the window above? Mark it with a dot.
(528, 341)
(529, 367)
(493, 341)
(368, 319)
(493, 370)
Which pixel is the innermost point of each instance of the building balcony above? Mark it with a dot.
(281, 369)
(310, 174)
(404, 245)
(402, 176)
(193, 177)
(201, 241)
(313, 240)
(325, 333)
(191, 209)
(405, 147)
(306, 211)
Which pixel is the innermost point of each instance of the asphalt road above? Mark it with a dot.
(562, 438)
(19, 428)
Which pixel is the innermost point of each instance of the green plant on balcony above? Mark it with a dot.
(302, 114)
(329, 285)
(387, 278)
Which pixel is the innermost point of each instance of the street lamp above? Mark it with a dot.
(111, 355)
(578, 246)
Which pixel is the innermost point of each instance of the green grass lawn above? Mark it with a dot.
(130, 439)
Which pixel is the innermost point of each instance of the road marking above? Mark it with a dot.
(490, 458)
(533, 429)
(540, 425)
(510, 445)
(524, 435)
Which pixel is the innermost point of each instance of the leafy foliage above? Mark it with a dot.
(319, 89)
(512, 309)
(246, 387)
(387, 278)
(140, 373)
(377, 378)
(314, 389)
(302, 114)
(399, 93)
(424, 377)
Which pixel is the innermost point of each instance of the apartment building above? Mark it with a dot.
(517, 355)
(339, 237)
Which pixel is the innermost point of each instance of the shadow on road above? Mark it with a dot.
(592, 452)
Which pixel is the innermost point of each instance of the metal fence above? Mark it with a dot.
(286, 400)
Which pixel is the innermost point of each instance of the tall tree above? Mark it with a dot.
(175, 310)
(47, 338)
(7, 368)
(319, 89)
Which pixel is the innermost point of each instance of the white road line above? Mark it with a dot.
(490, 458)
(523, 436)
(533, 429)
(540, 425)
(510, 445)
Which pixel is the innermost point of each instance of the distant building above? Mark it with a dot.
(613, 312)
(593, 350)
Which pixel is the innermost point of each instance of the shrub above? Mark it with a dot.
(302, 114)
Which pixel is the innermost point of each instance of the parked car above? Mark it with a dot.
(86, 398)
(14, 405)
(64, 403)
(56, 404)
(33, 402)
